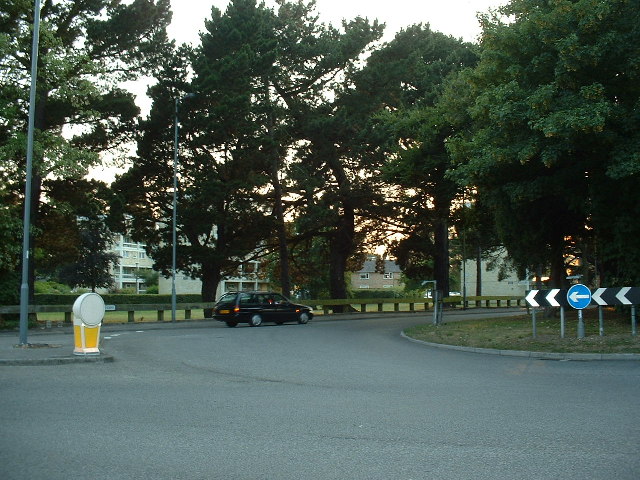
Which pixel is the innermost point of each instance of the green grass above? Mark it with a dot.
(516, 333)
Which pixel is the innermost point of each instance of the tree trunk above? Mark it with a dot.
(278, 209)
(558, 274)
(441, 259)
(210, 280)
(340, 248)
(283, 250)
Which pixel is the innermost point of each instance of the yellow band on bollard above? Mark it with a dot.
(88, 312)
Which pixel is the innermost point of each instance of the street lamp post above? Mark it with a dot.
(24, 286)
(176, 126)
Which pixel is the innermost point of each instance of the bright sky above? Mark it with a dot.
(452, 17)
(457, 18)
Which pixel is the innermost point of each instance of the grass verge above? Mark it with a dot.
(516, 333)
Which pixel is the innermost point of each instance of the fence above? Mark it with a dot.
(326, 306)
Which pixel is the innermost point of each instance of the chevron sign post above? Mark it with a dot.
(576, 297)
(601, 296)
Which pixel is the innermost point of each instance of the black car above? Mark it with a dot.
(255, 308)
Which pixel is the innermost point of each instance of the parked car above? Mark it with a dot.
(255, 308)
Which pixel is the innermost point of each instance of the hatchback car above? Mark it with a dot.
(255, 308)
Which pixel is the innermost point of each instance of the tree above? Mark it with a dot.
(264, 74)
(555, 131)
(92, 266)
(409, 72)
(86, 49)
(221, 216)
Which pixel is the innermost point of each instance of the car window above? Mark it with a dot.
(265, 299)
(279, 299)
(245, 299)
(227, 298)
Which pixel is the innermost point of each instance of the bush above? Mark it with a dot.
(9, 288)
(43, 286)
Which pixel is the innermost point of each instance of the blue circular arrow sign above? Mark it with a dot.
(579, 296)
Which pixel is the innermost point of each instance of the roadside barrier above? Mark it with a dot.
(326, 306)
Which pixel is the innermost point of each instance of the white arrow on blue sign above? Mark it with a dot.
(579, 296)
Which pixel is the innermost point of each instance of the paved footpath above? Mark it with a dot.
(54, 346)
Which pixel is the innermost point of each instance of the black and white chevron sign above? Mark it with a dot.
(547, 298)
(616, 296)
(602, 296)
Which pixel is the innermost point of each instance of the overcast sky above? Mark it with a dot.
(452, 17)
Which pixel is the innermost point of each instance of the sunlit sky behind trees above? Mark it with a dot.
(457, 18)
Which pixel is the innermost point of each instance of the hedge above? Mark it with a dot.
(116, 299)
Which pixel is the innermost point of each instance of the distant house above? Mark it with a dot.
(368, 278)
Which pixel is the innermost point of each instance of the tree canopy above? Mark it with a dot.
(299, 138)
(556, 131)
(86, 50)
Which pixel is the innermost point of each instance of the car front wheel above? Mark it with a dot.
(256, 320)
(303, 318)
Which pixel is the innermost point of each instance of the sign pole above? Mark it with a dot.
(601, 320)
(562, 323)
(579, 297)
(634, 327)
(580, 324)
(533, 321)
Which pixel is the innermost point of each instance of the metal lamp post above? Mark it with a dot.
(176, 125)
(24, 286)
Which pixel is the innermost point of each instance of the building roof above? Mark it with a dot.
(389, 267)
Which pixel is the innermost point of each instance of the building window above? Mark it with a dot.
(388, 276)
(364, 276)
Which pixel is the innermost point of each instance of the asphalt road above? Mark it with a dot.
(327, 400)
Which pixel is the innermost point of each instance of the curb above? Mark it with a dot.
(102, 358)
(579, 357)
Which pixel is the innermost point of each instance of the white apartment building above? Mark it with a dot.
(247, 279)
(491, 285)
(132, 262)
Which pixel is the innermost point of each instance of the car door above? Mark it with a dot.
(285, 310)
(268, 307)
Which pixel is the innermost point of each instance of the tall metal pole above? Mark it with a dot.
(24, 286)
(176, 130)
(175, 207)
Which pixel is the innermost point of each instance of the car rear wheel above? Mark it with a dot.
(303, 318)
(256, 320)
(231, 324)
